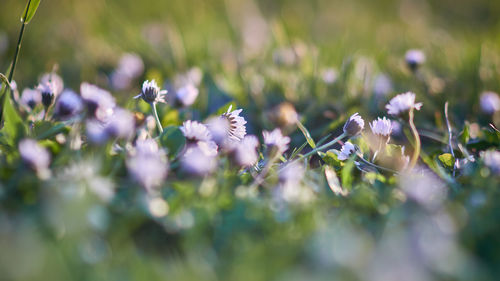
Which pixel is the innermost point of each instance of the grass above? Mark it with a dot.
(89, 219)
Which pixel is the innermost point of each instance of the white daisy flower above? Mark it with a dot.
(381, 127)
(186, 95)
(151, 93)
(35, 156)
(56, 81)
(99, 102)
(31, 98)
(147, 147)
(382, 85)
(148, 166)
(414, 58)
(244, 153)
(402, 103)
(196, 161)
(346, 151)
(218, 128)
(68, 105)
(195, 131)
(490, 102)
(121, 124)
(237, 129)
(276, 140)
(292, 172)
(354, 125)
(95, 131)
(491, 159)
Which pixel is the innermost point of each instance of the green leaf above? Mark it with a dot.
(5, 80)
(465, 134)
(347, 170)
(333, 182)
(173, 139)
(30, 10)
(447, 159)
(46, 129)
(13, 126)
(306, 134)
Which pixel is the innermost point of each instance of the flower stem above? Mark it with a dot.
(155, 113)
(374, 165)
(326, 145)
(416, 151)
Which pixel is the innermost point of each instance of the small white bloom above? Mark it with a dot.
(151, 93)
(414, 58)
(218, 128)
(146, 147)
(354, 125)
(490, 102)
(245, 153)
(382, 85)
(34, 155)
(100, 103)
(148, 166)
(329, 75)
(276, 140)
(292, 173)
(491, 158)
(381, 127)
(31, 98)
(346, 151)
(95, 131)
(187, 95)
(130, 67)
(196, 161)
(237, 129)
(121, 124)
(195, 131)
(68, 105)
(56, 81)
(402, 103)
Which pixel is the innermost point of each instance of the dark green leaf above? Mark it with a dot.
(465, 134)
(30, 11)
(173, 139)
(13, 127)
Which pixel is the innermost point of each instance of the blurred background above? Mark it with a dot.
(329, 58)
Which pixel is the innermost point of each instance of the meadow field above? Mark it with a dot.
(249, 140)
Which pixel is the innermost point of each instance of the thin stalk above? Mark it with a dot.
(19, 41)
(375, 166)
(416, 151)
(155, 113)
(326, 145)
(260, 178)
(450, 136)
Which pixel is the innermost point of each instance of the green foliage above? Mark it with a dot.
(447, 159)
(173, 140)
(30, 11)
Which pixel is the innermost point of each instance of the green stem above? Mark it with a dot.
(155, 113)
(416, 151)
(19, 41)
(326, 145)
(375, 166)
